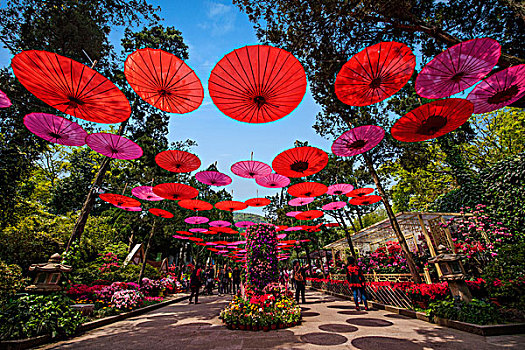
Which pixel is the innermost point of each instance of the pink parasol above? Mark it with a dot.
(220, 223)
(251, 169)
(113, 146)
(339, 189)
(129, 208)
(293, 213)
(499, 90)
(281, 236)
(294, 228)
(273, 181)
(196, 220)
(55, 129)
(213, 178)
(244, 224)
(179, 237)
(334, 206)
(300, 201)
(145, 193)
(4, 100)
(458, 68)
(197, 230)
(358, 140)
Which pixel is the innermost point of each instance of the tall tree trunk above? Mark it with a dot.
(143, 267)
(80, 224)
(308, 261)
(359, 218)
(347, 235)
(393, 220)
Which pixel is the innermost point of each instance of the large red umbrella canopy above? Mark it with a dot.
(196, 220)
(119, 200)
(458, 68)
(300, 161)
(195, 204)
(145, 193)
(250, 169)
(309, 215)
(175, 191)
(358, 140)
(499, 90)
(360, 192)
(4, 100)
(71, 87)
(231, 205)
(334, 206)
(307, 189)
(257, 202)
(163, 80)
(55, 129)
(366, 200)
(374, 74)
(161, 213)
(273, 181)
(113, 146)
(178, 161)
(213, 178)
(298, 202)
(257, 84)
(339, 189)
(432, 120)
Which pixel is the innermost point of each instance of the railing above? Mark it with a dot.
(384, 277)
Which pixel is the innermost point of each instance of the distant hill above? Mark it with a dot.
(248, 217)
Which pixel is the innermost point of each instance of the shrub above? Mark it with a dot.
(127, 299)
(11, 281)
(478, 311)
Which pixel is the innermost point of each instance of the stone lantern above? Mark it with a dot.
(453, 273)
(48, 275)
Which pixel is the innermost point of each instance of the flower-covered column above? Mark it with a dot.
(261, 261)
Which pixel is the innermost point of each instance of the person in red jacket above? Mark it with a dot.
(356, 281)
(195, 282)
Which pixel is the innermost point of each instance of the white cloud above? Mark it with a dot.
(220, 19)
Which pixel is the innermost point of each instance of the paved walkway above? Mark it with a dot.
(329, 322)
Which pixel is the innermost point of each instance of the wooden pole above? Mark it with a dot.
(429, 242)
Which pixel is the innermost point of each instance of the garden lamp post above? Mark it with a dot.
(48, 275)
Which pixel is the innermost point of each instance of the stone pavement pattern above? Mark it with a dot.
(328, 323)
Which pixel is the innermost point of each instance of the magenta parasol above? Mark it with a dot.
(129, 208)
(197, 230)
(339, 189)
(145, 193)
(55, 129)
(499, 90)
(358, 140)
(281, 236)
(293, 213)
(273, 181)
(250, 169)
(244, 224)
(113, 146)
(458, 68)
(294, 228)
(219, 223)
(334, 206)
(300, 201)
(4, 100)
(196, 220)
(213, 178)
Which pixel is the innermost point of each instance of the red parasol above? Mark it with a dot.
(293, 213)
(366, 200)
(432, 120)
(113, 146)
(213, 178)
(4, 100)
(184, 233)
(309, 215)
(300, 161)
(231, 205)
(196, 220)
(55, 129)
(161, 213)
(257, 202)
(257, 84)
(179, 237)
(220, 223)
(197, 230)
(196, 239)
(458, 68)
(339, 189)
(195, 205)
(129, 208)
(300, 201)
(145, 193)
(360, 192)
(332, 224)
(273, 181)
(374, 74)
(175, 191)
(244, 224)
(307, 189)
(119, 200)
(499, 90)
(71, 87)
(251, 169)
(178, 161)
(334, 206)
(358, 140)
(163, 80)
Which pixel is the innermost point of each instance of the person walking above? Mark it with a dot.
(356, 281)
(236, 279)
(299, 276)
(223, 280)
(195, 282)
